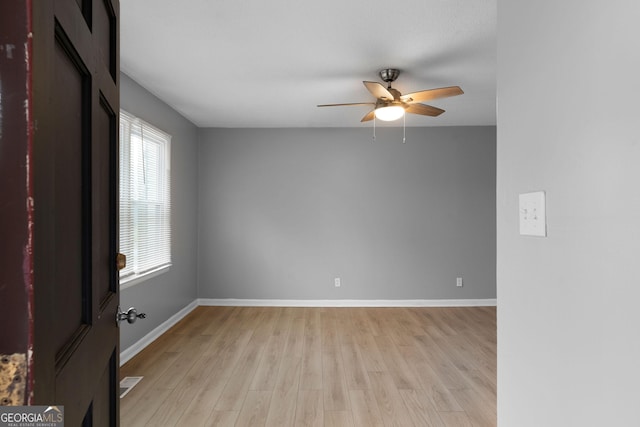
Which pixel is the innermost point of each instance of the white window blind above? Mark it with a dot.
(145, 204)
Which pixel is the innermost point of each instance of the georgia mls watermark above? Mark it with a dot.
(31, 416)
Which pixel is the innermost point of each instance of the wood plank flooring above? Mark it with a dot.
(288, 366)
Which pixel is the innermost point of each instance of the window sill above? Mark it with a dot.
(131, 281)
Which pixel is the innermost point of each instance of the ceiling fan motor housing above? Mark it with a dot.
(395, 101)
(389, 75)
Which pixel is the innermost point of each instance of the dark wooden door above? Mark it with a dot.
(75, 105)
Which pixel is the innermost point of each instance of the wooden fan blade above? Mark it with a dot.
(352, 103)
(425, 110)
(378, 91)
(369, 116)
(426, 95)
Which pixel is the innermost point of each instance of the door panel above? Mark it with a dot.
(76, 291)
(70, 88)
(104, 30)
(104, 160)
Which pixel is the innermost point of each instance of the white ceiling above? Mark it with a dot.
(256, 63)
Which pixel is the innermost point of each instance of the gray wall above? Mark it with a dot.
(568, 318)
(284, 211)
(163, 296)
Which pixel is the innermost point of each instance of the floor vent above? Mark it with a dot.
(127, 383)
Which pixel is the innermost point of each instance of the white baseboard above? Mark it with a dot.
(348, 302)
(128, 353)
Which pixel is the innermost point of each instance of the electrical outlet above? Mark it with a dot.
(533, 216)
(337, 282)
(459, 282)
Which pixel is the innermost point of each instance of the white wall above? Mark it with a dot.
(163, 296)
(569, 124)
(284, 211)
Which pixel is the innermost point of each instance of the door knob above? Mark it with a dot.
(130, 315)
(121, 261)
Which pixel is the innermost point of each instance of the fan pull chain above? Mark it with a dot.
(374, 127)
(404, 128)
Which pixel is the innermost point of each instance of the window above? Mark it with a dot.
(145, 205)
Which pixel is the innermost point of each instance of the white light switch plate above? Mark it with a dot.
(533, 215)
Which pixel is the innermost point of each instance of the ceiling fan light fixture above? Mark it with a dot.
(390, 113)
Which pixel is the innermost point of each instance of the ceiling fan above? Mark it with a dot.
(391, 104)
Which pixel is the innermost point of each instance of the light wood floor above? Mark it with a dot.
(266, 366)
